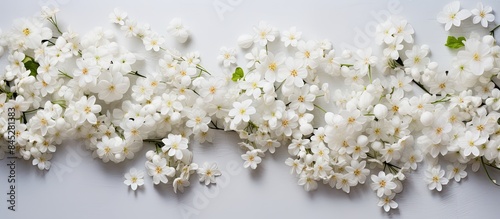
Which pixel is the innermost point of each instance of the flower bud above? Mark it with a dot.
(427, 118)
(309, 159)
(380, 111)
(150, 154)
(362, 140)
(377, 145)
(245, 41)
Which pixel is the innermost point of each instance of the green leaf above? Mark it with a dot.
(31, 65)
(238, 74)
(454, 43)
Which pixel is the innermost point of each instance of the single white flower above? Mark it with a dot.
(470, 143)
(251, 158)
(456, 171)
(227, 56)
(48, 12)
(242, 111)
(482, 14)
(174, 144)
(208, 172)
(478, 55)
(134, 178)
(178, 30)
(42, 161)
(383, 184)
(158, 169)
(435, 178)
(179, 183)
(153, 42)
(452, 15)
(307, 180)
(118, 17)
(387, 202)
(291, 37)
(264, 33)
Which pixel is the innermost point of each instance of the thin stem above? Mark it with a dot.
(65, 74)
(320, 108)
(487, 173)
(53, 21)
(421, 87)
(33, 110)
(492, 32)
(136, 74)
(201, 68)
(346, 65)
(215, 125)
(279, 86)
(442, 100)
(370, 73)
(153, 140)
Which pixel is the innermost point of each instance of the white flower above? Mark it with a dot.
(87, 110)
(417, 58)
(291, 37)
(478, 56)
(118, 17)
(470, 143)
(30, 33)
(42, 121)
(86, 73)
(251, 159)
(159, 170)
(452, 15)
(358, 171)
(364, 60)
(208, 172)
(179, 183)
(296, 165)
(494, 100)
(387, 202)
(293, 74)
(302, 99)
(198, 120)
(271, 66)
(383, 184)
(174, 144)
(134, 178)
(48, 12)
(264, 33)
(153, 41)
(307, 180)
(227, 56)
(482, 14)
(456, 171)
(112, 86)
(177, 29)
(106, 148)
(252, 85)
(242, 111)
(42, 160)
(435, 178)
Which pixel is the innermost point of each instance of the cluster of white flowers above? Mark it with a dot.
(61, 85)
(453, 15)
(280, 96)
(394, 110)
(373, 126)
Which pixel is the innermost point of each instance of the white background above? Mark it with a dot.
(81, 187)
